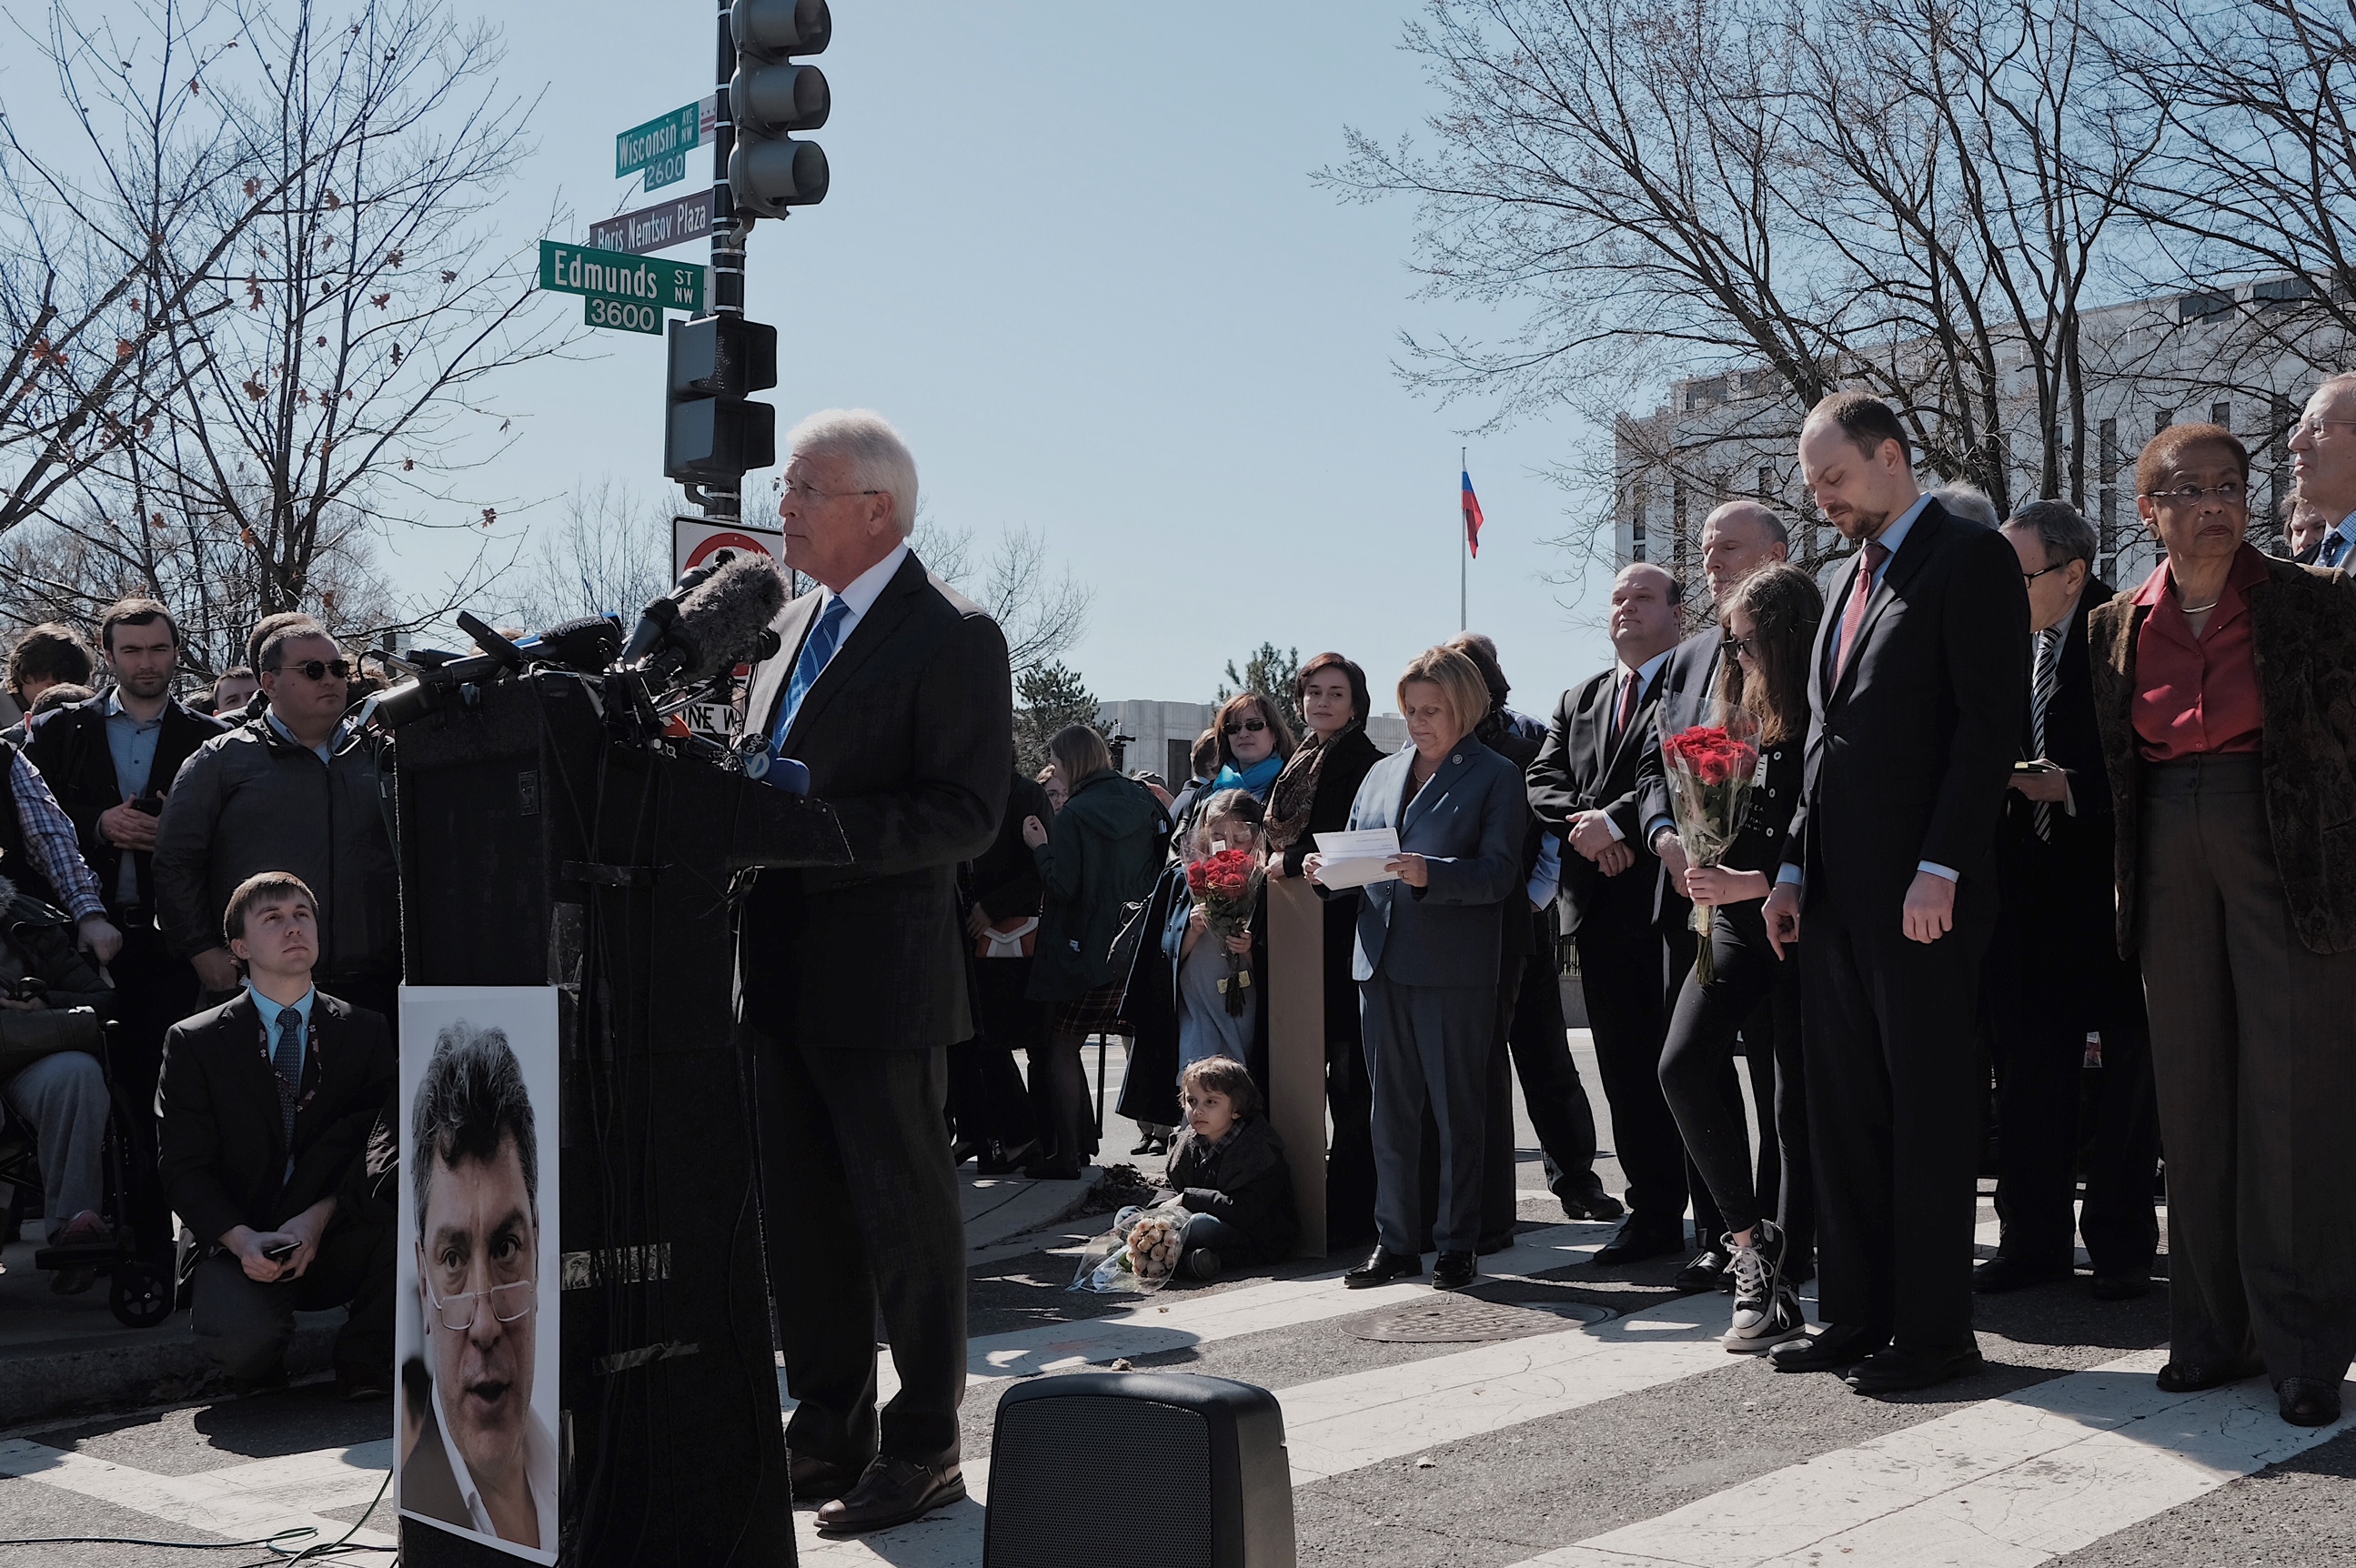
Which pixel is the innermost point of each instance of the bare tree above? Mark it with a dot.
(323, 314)
(607, 551)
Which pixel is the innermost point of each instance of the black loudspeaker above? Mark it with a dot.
(540, 847)
(1189, 1472)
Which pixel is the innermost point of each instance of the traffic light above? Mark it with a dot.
(712, 435)
(769, 96)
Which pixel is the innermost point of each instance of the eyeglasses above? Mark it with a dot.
(319, 669)
(806, 494)
(1254, 725)
(2230, 493)
(2033, 576)
(1741, 647)
(509, 1303)
(2312, 426)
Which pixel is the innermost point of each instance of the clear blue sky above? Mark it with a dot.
(1073, 251)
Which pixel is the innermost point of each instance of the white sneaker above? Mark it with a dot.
(1766, 1311)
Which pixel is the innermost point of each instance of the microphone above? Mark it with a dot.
(587, 645)
(718, 621)
(656, 622)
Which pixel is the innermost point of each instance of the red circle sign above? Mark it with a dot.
(719, 541)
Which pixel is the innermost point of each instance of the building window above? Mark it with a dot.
(1767, 482)
(2161, 420)
(2221, 414)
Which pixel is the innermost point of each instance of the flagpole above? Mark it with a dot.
(1463, 544)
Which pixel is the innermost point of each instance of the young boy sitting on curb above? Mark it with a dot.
(1228, 1169)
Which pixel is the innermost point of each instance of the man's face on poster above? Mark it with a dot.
(481, 1248)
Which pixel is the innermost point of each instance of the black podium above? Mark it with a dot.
(541, 845)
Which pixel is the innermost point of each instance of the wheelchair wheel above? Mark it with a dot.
(141, 1296)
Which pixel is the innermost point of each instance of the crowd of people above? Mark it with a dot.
(2007, 824)
(2018, 845)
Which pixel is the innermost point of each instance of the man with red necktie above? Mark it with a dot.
(1918, 684)
(1584, 786)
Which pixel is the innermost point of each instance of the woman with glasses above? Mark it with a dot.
(1762, 696)
(2225, 690)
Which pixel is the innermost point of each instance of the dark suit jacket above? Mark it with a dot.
(2074, 868)
(2303, 619)
(69, 745)
(1581, 768)
(905, 734)
(223, 1155)
(428, 1485)
(1909, 750)
(1469, 821)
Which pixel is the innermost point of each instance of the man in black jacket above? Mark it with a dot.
(1736, 540)
(267, 1100)
(110, 761)
(1916, 684)
(2054, 976)
(894, 691)
(988, 1103)
(1583, 786)
(293, 789)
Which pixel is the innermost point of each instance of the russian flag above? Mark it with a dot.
(1472, 516)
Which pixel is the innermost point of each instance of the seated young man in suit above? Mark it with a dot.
(266, 1105)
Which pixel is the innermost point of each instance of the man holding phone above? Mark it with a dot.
(108, 760)
(267, 1102)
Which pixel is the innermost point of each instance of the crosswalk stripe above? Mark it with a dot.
(245, 1508)
(2007, 1482)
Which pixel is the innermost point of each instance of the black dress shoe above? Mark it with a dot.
(2001, 1274)
(1706, 1271)
(2191, 1377)
(1454, 1271)
(1634, 1243)
(2125, 1286)
(1596, 1205)
(893, 1491)
(1382, 1268)
(1000, 1161)
(964, 1149)
(1903, 1367)
(817, 1480)
(1835, 1348)
(2309, 1401)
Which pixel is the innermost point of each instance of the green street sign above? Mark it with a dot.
(569, 269)
(669, 170)
(657, 139)
(622, 315)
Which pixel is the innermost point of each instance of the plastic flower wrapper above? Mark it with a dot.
(1710, 773)
(1227, 884)
(1138, 1254)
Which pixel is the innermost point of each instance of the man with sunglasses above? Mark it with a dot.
(292, 789)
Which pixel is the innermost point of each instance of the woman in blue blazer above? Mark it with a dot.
(1427, 958)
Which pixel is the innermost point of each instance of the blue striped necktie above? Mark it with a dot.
(287, 1058)
(2335, 545)
(818, 648)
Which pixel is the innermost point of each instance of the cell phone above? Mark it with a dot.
(152, 804)
(281, 1252)
(2035, 768)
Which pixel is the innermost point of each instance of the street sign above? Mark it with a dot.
(666, 136)
(570, 268)
(694, 540)
(622, 315)
(667, 171)
(656, 228)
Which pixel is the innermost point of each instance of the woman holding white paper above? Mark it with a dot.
(1427, 958)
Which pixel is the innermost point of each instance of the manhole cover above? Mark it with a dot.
(1464, 1319)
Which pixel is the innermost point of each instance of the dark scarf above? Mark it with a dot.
(1295, 791)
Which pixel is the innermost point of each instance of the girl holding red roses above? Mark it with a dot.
(1213, 938)
(1769, 625)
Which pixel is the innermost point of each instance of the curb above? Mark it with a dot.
(92, 1375)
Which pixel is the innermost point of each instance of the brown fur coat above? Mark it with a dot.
(2303, 620)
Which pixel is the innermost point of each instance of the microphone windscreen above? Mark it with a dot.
(723, 617)
(588, 644)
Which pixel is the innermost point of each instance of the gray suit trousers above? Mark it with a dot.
(1428, 1044)
(2254, 1048)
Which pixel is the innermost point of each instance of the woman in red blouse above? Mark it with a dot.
(2225, 687)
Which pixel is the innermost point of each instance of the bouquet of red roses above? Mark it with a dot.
(1227, 884)
(1710, 774)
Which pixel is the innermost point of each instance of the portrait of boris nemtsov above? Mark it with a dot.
(484, 1460)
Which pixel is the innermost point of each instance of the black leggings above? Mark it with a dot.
(1701, 1044)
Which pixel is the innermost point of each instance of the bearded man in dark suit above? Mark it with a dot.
(1583, 786)
(1917, 684)
(894, 691)
(2054, 974)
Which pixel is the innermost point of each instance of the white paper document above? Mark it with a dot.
(1356, 859)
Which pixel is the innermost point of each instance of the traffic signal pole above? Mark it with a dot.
(729, 230)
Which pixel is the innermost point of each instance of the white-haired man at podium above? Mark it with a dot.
(893, 690)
